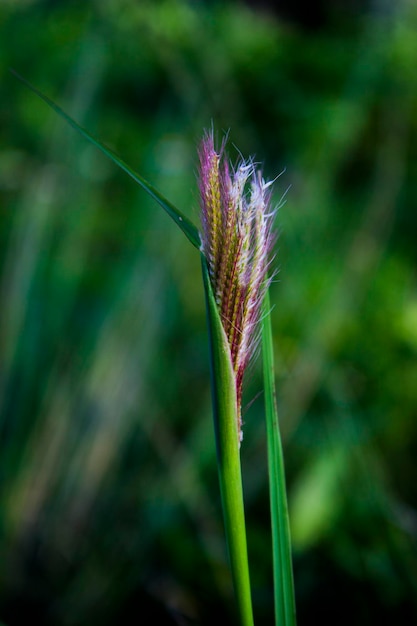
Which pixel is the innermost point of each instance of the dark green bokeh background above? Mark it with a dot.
(109, 503)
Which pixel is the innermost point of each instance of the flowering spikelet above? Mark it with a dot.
(237, 240)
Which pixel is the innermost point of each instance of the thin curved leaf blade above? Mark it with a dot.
(186, 225)
(281, 540)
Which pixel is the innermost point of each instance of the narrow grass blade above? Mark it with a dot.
(188, 228)
(228, 459)
(281, 541)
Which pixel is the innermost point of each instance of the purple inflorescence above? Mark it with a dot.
(237, 241)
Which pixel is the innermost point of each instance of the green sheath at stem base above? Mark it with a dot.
(228, 457)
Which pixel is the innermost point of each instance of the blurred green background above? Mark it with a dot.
(109, 502)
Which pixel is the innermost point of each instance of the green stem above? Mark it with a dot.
(228, 458)
(281, 540)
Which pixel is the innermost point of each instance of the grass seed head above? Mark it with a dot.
(237, 241)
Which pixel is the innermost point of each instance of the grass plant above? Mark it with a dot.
(235, 243)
